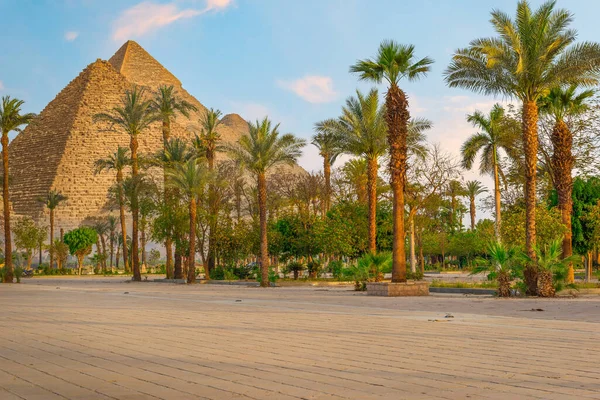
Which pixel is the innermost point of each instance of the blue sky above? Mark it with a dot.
(285, 58)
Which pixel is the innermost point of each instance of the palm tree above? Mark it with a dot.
(117, 162)
(393, 63)
(561, 104)
(167, 104)
(52, 200)
(328, 142)
(100, 225)
(175, 151)
(258, 152)
(362, 131)
(133, 187)
(189, 179)
(496, 133)
(207, 144)
(454, 190)
(11, 119)
(474, 189)
(134, 116)
(529, 56)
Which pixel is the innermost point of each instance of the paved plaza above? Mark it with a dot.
(105, 338)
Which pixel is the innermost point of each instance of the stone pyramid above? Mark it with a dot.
(58, 149)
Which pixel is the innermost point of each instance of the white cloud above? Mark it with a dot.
(312, 88)
(71, 35)
(1, 85)
(148, 16)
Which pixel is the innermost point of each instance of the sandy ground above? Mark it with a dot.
(108, 338)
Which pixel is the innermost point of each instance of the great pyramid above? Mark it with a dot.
(59, 148)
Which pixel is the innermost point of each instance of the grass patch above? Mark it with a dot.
(464, 285)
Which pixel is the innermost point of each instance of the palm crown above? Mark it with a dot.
(563, 102)
(327, 140)
(52, 199)
(496, 133)
(264, 147)
(11, 118)
(530, 55)
(167, 104)
(474, 189)
(134, 115)
(117, 161)
(393, 62)
(188, 177)
(207, 141)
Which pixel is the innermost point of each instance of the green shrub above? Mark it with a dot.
(273, 276)
(336, 268)
(314, 268)
(414, 276)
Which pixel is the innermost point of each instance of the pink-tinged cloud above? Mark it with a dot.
(147, 17)
(312, 88)
(71, 35)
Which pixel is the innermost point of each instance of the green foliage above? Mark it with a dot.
(314, 268)
(549, 258)
(336, 269)
(500, 259)
(548, 226)
(294, 267)
(80, 240)
(28, 236)
(273, 276)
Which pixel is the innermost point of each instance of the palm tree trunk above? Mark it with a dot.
(177, 268)
(117, 258)
(143, 240)
(51, 238)
(166, 130)
(397, 117)
(191, 278)
(135, 257)
(169, 264)
(103, 242)
(413, 257)
(8, 265)
(372, 199)
(472, 211)
(497, 198)
(264, 249)
(123, 222)
(562, 167)
(212, 217)
(530, 146)
(327, 174)
(112, 248)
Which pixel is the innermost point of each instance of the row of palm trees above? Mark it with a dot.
(532, 58)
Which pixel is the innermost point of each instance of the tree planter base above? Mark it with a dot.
(390, 289)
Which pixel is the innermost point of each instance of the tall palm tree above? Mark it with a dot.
(495, 134)
(11, 119)
(258, 152)
(363, 131)
(189, 179)
(117, 162)
(168, 105)
(528, 57)
(454, 190)
(52, 200)
(561, 104)
(474, 189)
(133, 187)
(328, 142)
(207, 144)
(133, 116)
(175, 151)
(392, 63)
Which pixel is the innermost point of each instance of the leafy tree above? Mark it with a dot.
(11, 119)
(548, 222)
(530, 55)
(393, 63)
(27, 236)
(117, 162)
(262, 149)
(62, 253)
(51, 201)
(133, 116)
(80, 243)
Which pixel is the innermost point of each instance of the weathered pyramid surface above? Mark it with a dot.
(59, 148)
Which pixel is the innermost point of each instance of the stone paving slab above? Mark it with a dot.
(82, 338)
